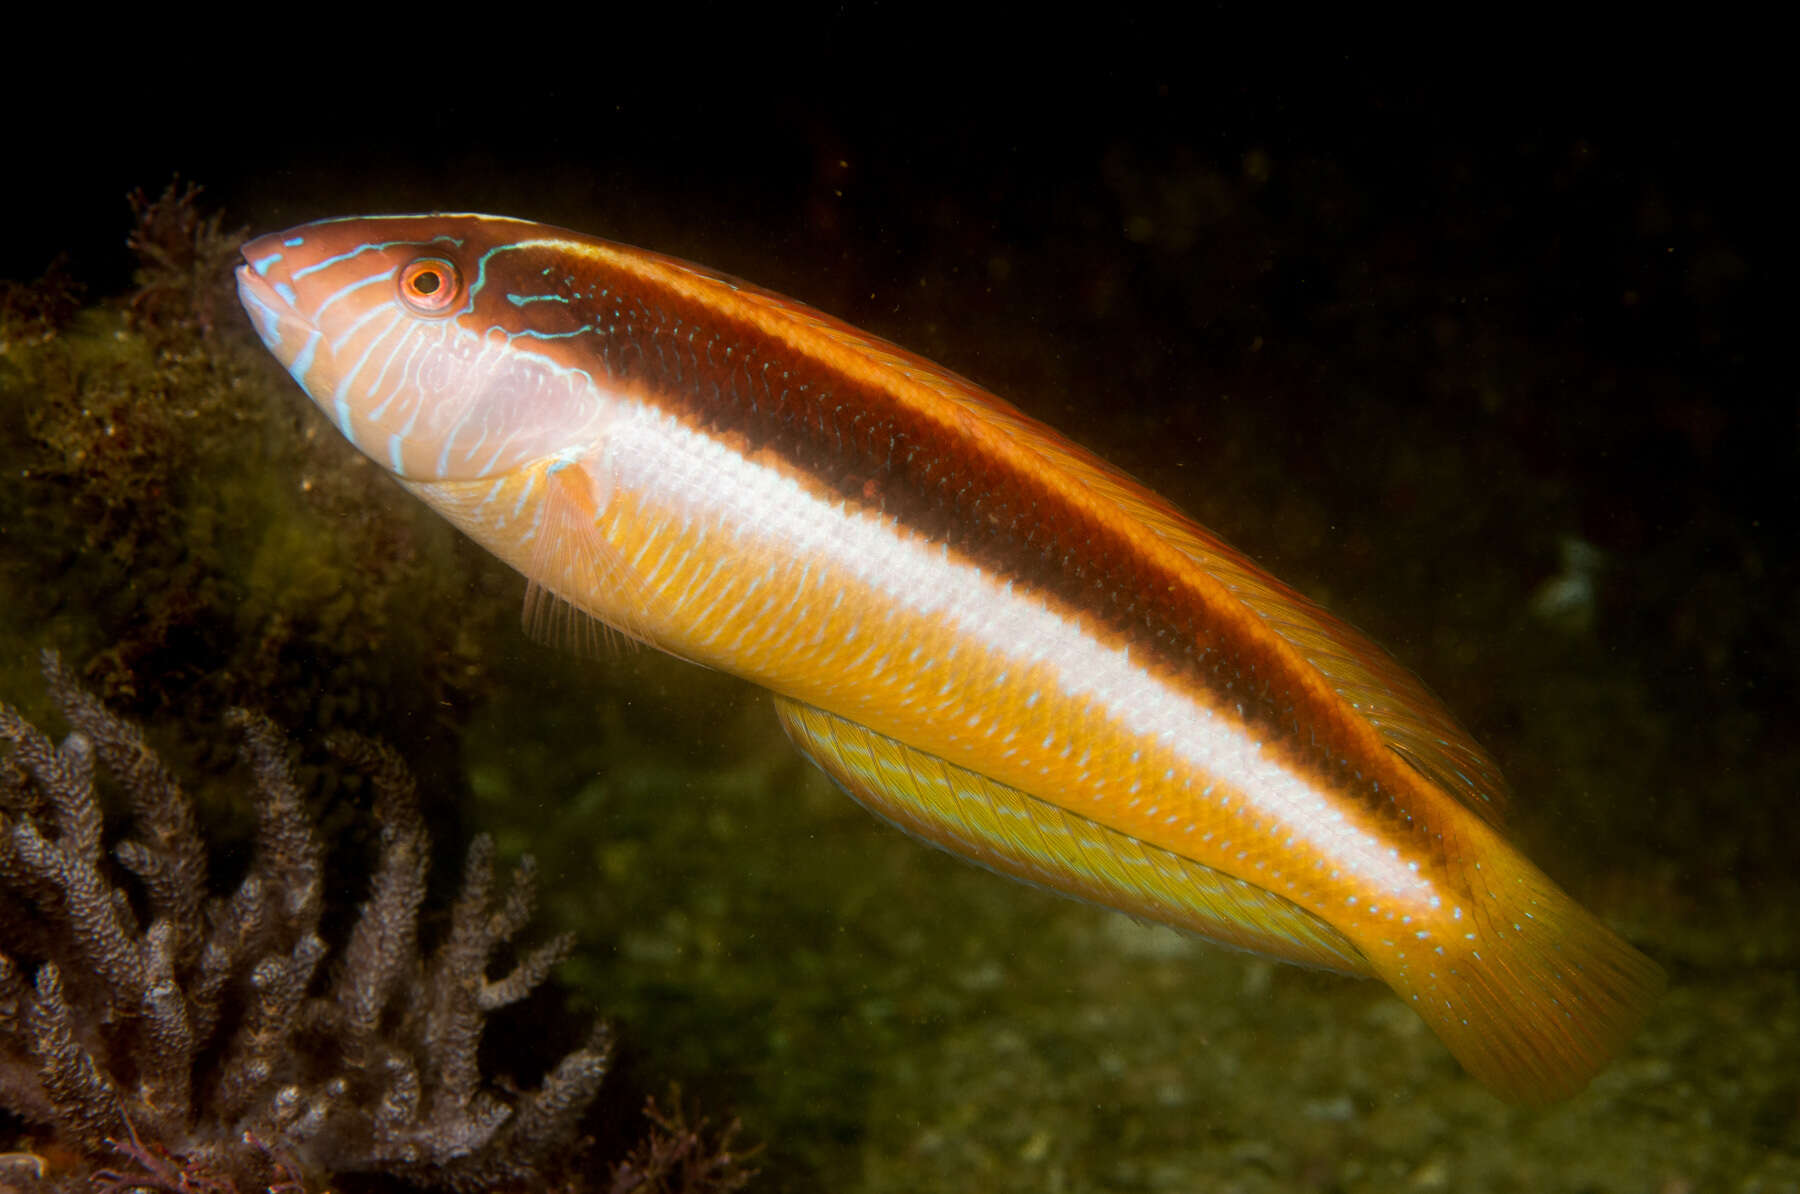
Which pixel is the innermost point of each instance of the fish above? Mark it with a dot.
(985, 634)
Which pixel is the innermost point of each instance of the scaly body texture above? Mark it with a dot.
(987, 635)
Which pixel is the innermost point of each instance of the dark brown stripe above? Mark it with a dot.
(857, 442)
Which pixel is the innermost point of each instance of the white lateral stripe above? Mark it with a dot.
(771, 516)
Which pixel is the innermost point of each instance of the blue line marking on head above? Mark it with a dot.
(328, 262)
(304, 358)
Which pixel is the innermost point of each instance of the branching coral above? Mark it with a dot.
(178, 1041)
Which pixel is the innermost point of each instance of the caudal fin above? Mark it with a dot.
(1533, 994)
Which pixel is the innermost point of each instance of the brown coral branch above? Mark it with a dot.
(527, 976)
(65, 775)
(549, 1115)
(206, 1052)
(83, 1097)
(288, 857)
(277, 986)
(166, 1082)
(100, 920)
(171, 860)
(385, 940)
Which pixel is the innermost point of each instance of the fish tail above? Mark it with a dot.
(1532, 993)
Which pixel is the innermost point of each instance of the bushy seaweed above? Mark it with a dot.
(32, 312)
(225, 550)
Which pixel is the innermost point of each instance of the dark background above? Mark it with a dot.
(1403, 328)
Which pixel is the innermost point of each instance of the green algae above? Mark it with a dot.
(181, 530)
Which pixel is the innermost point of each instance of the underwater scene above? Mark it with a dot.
(334, 855)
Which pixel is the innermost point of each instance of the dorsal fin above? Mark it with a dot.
(1410, 719)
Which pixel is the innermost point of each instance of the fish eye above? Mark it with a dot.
(429, 285)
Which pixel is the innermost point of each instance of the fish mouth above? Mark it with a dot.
(267, 310)
(253, 287)
(261, 255)
(269, 303)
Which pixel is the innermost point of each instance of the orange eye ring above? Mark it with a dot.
(429, 285)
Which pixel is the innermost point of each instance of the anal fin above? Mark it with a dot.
(1023, 837)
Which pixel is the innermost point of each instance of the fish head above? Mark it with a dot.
(439, 345)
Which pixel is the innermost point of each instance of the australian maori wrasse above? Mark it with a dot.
(987, 635)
